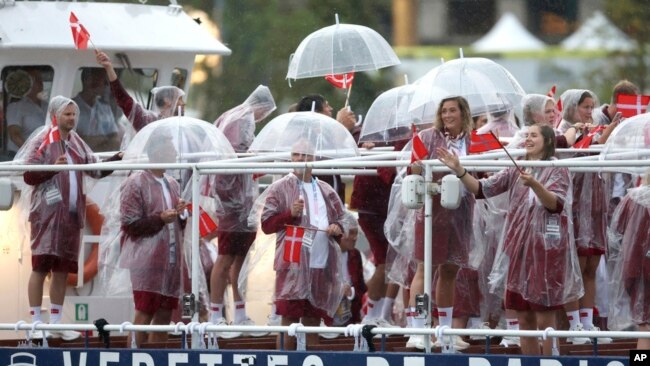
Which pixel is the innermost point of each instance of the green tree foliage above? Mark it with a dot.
(632, 17)
(263, 33)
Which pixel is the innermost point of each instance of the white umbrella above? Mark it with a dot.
(339, 49)
(629, 141)
(324, 136)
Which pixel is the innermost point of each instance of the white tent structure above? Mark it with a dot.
(598, 33)
(508, 35)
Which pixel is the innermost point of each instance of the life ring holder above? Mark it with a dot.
(94, 221)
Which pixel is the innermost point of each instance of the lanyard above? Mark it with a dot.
(314, 187)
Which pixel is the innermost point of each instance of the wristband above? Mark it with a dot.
(462, 175)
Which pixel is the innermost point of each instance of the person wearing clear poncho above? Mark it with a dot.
(536, 256)
(311, 287)
(629, 264)
(167, 100)
(539, 108)
(152, 238)
(237, 193)
(57, 205)
(500, 120)
(591, 195)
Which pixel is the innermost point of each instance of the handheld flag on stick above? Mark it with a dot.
(551, 93)
(585, 142)
(504, 149)
(483, 142)
(632, 104)
(343, 81)
(418, 150)
(53, 135)
(80, 34)
(206, 224)
(293, 243)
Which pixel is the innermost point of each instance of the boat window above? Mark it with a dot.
(179, 78)
(102, 124)
(24, 95)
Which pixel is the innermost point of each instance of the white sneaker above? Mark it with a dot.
(273, 320)
(38, 334)
(578, 340)
(508, 341)
(249, 321)
(226, 335)
(458, 343)
(601, 340)
(416, 341)
(66, 335)
(327, 335)
(481, 326)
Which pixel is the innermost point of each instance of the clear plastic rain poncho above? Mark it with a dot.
(628, 261)
(237, 192)
(164, 104)
(570, 109)
(500, 120)
(133, 229)
(452, 229)
(317, 277)
(57, 200)
(534, 108)
(536, 257)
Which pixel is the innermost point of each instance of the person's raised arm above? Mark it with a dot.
(546, 197)
(571, 134)
(451, 161)
(610, 127)
(105, 62)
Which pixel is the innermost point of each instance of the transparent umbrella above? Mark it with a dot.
(487, 86)
(339, 49)
(325, 137)
(629, 141)
(389, 117)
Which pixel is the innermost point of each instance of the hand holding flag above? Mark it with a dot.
(53, 135)
(585, 142)
(80, 34)
(343, 81)
(418, 150)
(293, 243)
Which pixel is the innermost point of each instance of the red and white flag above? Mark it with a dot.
(342, 81)
(53, 135)
(551, 93)
(293, 243)
(632, 104)
(483, 142)
(585, 142)
(418, 150)
(80, 34)
(206, 224)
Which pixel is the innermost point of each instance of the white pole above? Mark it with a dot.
(428, 254)
(196, 260)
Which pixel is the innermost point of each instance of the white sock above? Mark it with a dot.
(35, 312)
(409, 316)
(273, 310)
(374, 309)
(216, 312)
(240, 311)
(387, 309)
(418, 322)
(587, 318)
(56, 312)
(574, 318)
(512, 324)
(445, 315)
(474, 322)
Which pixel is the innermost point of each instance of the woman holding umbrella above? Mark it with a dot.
(451, 228)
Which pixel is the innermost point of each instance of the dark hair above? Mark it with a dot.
(624, 87)
(548, 134)
(92, 72)
(304, 105)
(465, 114)
(584, 96)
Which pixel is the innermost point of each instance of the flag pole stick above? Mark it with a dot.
(306, 228)
(347, 98)
(506, 150)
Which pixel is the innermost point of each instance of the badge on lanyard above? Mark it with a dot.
(52, 195)
(308, 239)
(552, 227)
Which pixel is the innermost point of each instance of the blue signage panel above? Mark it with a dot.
(124, 357)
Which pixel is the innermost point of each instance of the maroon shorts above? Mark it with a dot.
(46, 263)
(589, 252)
(235, 243)
(151, 302)
(373, 229)
(515, 301)
(299, 309)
